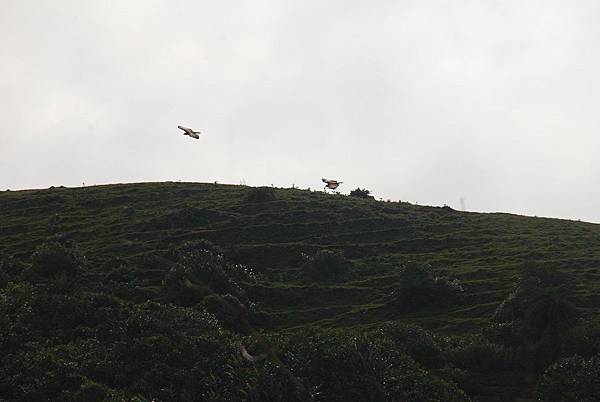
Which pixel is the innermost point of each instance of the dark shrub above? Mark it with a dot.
(364, 367)
(540, 299)
(421, 288)
(9, 266)
(157, 351)
(199, 273)
(36, 375)
(229, 311)
(582, 340)
(534, 315)
(508, 334)
(53, 258)
(328, 266)
(361, 193)
(91, 391)
(414, 341)
(571, 379)
(260, 194)
(479, 354)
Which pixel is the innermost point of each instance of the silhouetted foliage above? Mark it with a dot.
(571, 379)
(327, 266)
(229, 310)
(8, 266)
(479, 354)
(361, 193)
(540, 299)
(534, 315)
(421, 288)
(95, 345)
(582, 340)
(53, 258)
(200, 272)
(413, 340)
(364, 367)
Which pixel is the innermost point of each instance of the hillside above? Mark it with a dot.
(127, 234)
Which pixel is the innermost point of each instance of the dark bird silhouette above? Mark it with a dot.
(189, 132)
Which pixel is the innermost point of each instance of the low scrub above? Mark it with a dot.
(479, 354)
(364, 367)
(421, 288)
(202, 271)
(52, 259)
(413, 340)
(327, 266)
(361, 193)
(571, 379)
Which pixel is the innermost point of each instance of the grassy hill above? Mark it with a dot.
(127, 234)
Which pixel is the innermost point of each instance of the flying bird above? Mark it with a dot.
(331, 184)
(189, 132)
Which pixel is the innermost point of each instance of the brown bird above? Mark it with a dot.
(331, 184)
(189, 132)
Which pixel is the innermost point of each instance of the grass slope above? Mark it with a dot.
(321, 262)
(135, 223)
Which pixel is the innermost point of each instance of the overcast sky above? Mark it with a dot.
(424, 101)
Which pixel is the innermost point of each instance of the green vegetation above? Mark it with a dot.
(361, 193)
(134, 292)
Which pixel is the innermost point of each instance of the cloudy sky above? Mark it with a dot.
(426, 101)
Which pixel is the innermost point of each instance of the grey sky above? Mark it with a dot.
(425, 101)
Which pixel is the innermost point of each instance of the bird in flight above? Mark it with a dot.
(189, 132)
(331, 184)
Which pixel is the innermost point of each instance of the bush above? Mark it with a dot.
(327, 266)
(479, 354)
(36, 375)
(421, 288)
(540, 299)
(363, 367)
(229, 311)
(165, 352)
(260, 194)
(582, 340)
(533, 317)
(52, 259)
(91, 391)
(361, 193)
(8, 266)
(414, 341)
(200, 273)
(571, 379)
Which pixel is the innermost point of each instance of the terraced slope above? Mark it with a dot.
(135, 224)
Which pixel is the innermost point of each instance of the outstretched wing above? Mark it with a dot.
(187, 130)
